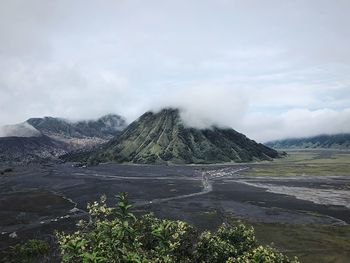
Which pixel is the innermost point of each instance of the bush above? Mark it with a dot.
(227, 242)
(7, 170)
(28, 252)
(115, 235)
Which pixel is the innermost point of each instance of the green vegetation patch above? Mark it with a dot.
(115, 235)
(309, 242)
(32, 251)
(322, 162)
(6, 171)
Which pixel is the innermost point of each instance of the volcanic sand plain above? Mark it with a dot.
(298, 204)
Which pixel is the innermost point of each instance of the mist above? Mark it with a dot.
(270, 71)
(204, 106)
(19, 130)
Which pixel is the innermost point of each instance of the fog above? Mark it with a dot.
(270, 70)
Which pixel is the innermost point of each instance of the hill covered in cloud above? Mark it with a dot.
(271, 71)
(162, 137)
(336, 141)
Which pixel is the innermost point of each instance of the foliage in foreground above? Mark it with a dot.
(28, 252)
(7, 170)
(115, 235)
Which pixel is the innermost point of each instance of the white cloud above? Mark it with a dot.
(233, 63)
(206, 104)
(59, 90)
(296, 123)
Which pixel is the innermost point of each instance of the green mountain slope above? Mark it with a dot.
(162, 137)
(337, 141)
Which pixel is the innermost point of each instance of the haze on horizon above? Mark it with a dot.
(270, 70)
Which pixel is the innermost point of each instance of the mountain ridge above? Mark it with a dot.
(47, 138)
(162, 137)
(30, 149)
(105, 126)
(335, 141)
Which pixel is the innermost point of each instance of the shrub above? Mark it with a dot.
(7, 170)
(115, 235)
(228, 242)
(28, 252)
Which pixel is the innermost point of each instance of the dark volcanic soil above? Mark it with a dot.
(35, 200)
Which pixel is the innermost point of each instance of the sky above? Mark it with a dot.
(269, 69)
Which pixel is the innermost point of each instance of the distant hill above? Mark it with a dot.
(29, 149)
(162, 137)
(76, 135)
(338, 141)
(105, 127)
(47, 138)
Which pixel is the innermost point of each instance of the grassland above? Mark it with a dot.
(305, 162)
(310, 242)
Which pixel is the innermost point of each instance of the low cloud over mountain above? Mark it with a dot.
(266, 70)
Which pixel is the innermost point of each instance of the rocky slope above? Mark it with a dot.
(80, 134)
(162, 137)
(104, 127)
(29, 149)
(337, 141)
(45, 138)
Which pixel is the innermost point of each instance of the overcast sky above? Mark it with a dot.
(269, 69)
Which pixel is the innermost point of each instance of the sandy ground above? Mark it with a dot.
(37, 199)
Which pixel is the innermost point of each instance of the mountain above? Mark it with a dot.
(76, 135)
(337, 141)
(105, 127)
(29, 149)
(47, 138)
(162, 137)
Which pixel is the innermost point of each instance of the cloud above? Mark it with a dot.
(59, 90)
(19, 130)
(204, 104)
(230, 63)
(296, 123)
